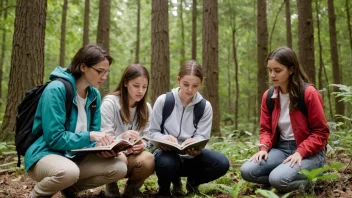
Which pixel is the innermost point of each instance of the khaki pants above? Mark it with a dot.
(54, 173)
(139, 168)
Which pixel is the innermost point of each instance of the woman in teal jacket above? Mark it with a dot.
(49, 160)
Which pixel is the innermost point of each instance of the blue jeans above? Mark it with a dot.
(281, 176)
(207, 166)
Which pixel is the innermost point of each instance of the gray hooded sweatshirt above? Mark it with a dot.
(111, 120)
(180, 123)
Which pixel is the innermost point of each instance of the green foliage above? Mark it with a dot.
(266, 193)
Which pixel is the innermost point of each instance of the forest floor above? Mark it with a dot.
(17, 184)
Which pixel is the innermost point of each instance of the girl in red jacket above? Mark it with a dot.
(289, 140)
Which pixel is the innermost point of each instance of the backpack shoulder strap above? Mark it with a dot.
(301, 103)
(269, 100)
(69, 96)
(198, 112)
(169, 105)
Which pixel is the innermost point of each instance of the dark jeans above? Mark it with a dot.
(205, 167)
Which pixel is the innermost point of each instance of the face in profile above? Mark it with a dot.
(96, 74)
(279, 73)
(189, 86)
(136, 89)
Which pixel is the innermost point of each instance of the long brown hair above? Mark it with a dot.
(287, 57)
(192, 68)
(131, 72)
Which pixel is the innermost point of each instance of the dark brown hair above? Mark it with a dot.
(89, 55)
(131, 72)
(192, 68)
(287, 57)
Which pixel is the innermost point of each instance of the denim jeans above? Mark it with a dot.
(281, 176)
(207, 166)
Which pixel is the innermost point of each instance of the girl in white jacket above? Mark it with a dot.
(125, 113)
(200, 166)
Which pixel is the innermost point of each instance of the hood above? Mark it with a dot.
(196, 98)
(62, 73)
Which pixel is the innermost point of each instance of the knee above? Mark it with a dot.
(278, 181)
(246, 172)
(68, 175)
(119, 170)
(166, 161)
(223, 165)
(146, 162)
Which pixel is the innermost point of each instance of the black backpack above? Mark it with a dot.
(301, 103)
(24, 137)
(169, 105)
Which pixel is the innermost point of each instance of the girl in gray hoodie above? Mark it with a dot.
(199, 166)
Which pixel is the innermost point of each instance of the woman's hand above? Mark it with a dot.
(259, 156)
(192, 151)
(138, 148)
(108, 154)
(294, 158)
(130, 135)
(189, 140)
(102, 138)
(169, 138)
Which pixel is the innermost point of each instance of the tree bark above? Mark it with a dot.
(27, 59)
(273, 29)
(86, 23)
(349, 23)
(229, 80)
(288, 24)
(306, 37)
(234, 50)
(210, 60)
(336, 73)
(321, 61)
(138, 30)
(182, 48)
(262, 52)
(194, 29)
(160, 62)
(103, 37)
(3, 48)
(63, 34)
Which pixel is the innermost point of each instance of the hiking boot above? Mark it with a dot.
(163, 193)
(177, 188)
(132, 191)
(191, 188)
(31, 195)
(112, 190)
(69, 192)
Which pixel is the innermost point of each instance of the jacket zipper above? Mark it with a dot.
(181, 122)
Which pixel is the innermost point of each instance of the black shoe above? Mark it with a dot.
(163, 193)
(177, 188)
(191, 188)
(69, 192)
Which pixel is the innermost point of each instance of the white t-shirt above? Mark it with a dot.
(284, 122)
(82, 124)
(132, 117)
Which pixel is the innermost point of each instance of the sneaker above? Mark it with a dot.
(132, 191)
(191, 189)
(163, 193)
(69, 192)
(112, 190)
(177, 188)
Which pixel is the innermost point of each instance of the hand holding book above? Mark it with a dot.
(191, 146)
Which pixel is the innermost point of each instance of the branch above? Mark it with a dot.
(272, 30)
(11, 6)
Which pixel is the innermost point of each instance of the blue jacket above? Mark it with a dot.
(51, 116)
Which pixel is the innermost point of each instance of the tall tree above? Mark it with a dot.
(339, 107)
(27, 59)
(288, 24)
(272, 30)
(103, 37)
(349, 23)
(262, 51)
(210, 59)
(136, 60)
(194, 29)
(160, 63)
(3, 47)
(182, 48)
(86, 22)
(306, 37)
(63, 34)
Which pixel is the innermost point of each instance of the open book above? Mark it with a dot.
(179, 148)
(118, 145)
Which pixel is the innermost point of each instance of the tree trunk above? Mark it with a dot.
(234, 50)
(27, 59)
(86, 23)
(262, 52)
(182, 49)
(306, 37)
(273, 29)
(138, 30)
(229, 86)
(160, 64)
(103, 37)
(3, 48)
(339, 107)
(194, 29)
(288, 24)
(349, 23)
(321, 62)
(210, 60)
(63, 34)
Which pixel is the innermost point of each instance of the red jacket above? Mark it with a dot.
(311, 133)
